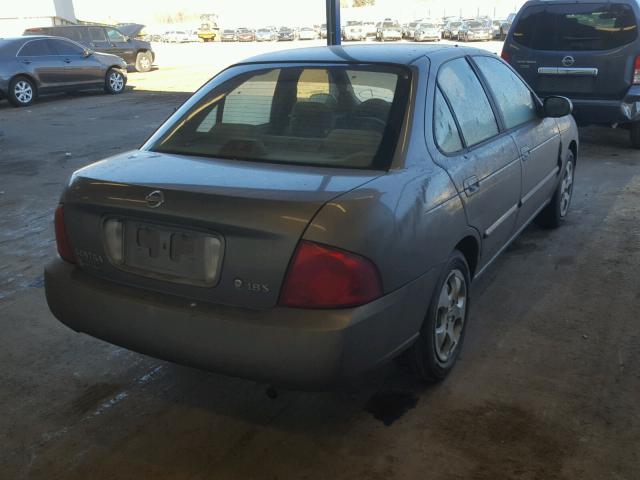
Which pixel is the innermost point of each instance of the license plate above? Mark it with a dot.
(172, 254)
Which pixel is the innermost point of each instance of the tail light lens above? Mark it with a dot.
(325, 277)
(505, 55)
(62, 239)
(636, 71)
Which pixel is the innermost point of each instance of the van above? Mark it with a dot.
(587, 50)
(120, 42)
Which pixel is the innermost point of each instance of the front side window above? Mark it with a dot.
(575, 26)
(64, 47)
(97, 34)
(446, 132)
(115, 36)
(35, 48)
(514, 99)
(297, 115)
(468, 100)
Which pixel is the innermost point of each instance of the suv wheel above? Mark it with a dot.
(634, 134)
(435, 352)
(114, 82)
(143, 62)
(22, 92)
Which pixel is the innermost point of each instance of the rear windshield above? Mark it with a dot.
(323, 116)
(586, 26)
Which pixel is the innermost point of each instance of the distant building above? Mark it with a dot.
(15, 17)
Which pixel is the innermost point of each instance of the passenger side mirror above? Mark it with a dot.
(556, 107)
(87, 53)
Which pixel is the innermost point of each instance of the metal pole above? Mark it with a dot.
(334, 36)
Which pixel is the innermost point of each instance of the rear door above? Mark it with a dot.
(483, 163)
(39, 58)
(80, 69)
(581, 50)
(537, 138)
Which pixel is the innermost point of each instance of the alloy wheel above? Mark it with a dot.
(450, 315)
(116, 81)
(566, 189)
(23, 91)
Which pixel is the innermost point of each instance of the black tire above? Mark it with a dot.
(114, 81)
(554, 213)
(22, 92)
(423, 355)
(634, 134)
(144, 62)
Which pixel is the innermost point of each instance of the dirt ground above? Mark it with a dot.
(548, 385)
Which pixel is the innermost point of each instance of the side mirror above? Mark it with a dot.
(87, 53)
(556, 107)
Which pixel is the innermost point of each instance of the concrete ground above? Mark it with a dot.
(548, 385)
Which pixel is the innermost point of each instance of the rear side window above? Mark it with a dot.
(96, 34)
(72, 33)
(298, 115)
(468, 100)
(576, 26)
(35, 48)
(446, 132)
(514, 99)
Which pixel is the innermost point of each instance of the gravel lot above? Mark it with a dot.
(547, 386)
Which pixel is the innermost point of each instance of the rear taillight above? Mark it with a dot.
(325, 277)
(505, 55)
(62, 239)
(636, 71)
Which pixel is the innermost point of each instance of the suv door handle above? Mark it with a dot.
(471, 185)
(526, 153)
(66, 60)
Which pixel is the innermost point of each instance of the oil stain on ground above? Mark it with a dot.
(390, 406)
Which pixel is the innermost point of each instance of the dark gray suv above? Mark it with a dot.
(119, 41)
(588, 51)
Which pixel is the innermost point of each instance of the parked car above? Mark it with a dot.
(122, 43)
(475, 30)
(427, 32)
(323, 30)
(266, 35)
(587, 51)
(353, 30)
(178, 36)
(286, 34)
(246, 35)
(307, 33)
(229, 35)
(389, 30)
(495, 28)
(506, 25)
(409, 31)
(451, 29)
(265, 233)
(38, 65)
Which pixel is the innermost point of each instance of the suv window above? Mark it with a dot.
(295, 115)
(514, 98)
(575, 26)
(468, 100)
(72, 33)
(35, 48)
(96, 34)
(115, 36)
(64, 47)
(446, 132)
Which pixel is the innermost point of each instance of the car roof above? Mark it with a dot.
(402, 54)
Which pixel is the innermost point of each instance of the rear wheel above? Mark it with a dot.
(22, 92)
(437, 349)
(634, 134)
(554, 213)
(114, 82)
(143, 62)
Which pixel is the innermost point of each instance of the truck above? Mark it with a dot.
(209, 30)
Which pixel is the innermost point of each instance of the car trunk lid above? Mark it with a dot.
(175, 211)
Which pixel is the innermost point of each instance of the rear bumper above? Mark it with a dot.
(626, 110)
(291, 347)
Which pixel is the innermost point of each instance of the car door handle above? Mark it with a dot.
(526, 153)
(66, 60)
(26, 62)
(471, 185)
